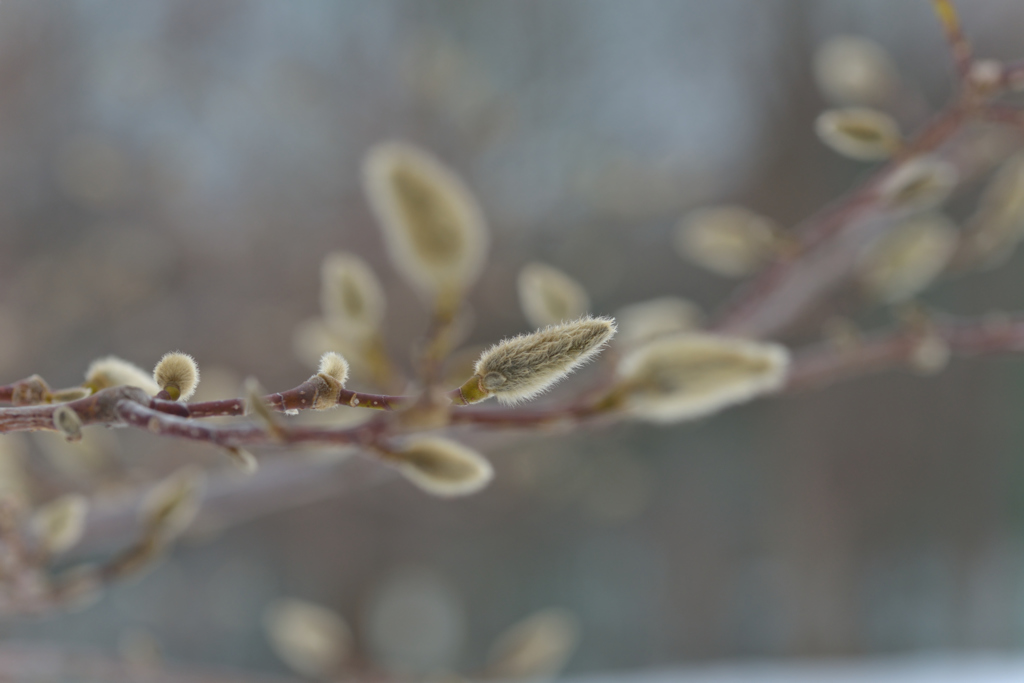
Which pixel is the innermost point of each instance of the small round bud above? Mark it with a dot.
(329, 380)
(67, 422)
(178, 374)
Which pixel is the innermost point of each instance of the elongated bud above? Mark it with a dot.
(112, 371)
(646, 320)
(690, 375)
(859, 133)
(519, 368)
(727, 240)
(60, 523)
(997, 226)
(312, 640)
(548, 296)
(178, 374)
(171, 506)
(908, 258)
(69, 394)
(433, 227)
(442, 467)
(921, 183)
(67, 422)
(536, 647)
(854, 70)
(351, 297)
(329, 380)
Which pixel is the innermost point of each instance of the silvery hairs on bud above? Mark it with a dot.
(519, 368)
(177, 373)
(433, 227)
(693, 374)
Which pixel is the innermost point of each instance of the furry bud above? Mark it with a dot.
(908, 258)
(178, 374)
(548, 296)
(690, 375)
(112, 371)
(519, 368)
(351, 297)
(442, 467)
(312, 640)
(329, 380)
(60, 523)
(859, 133)
(727, 240)
(432, 225)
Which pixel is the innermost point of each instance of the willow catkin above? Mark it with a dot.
(112, 371)
(311, 639)
(442, 467)
(329, 380)
(548, 296)
(351, 296)
(997, 225)
(859, 133)
(727, 240)
(908, 258)
(693, 374)
(522, 367)
(177, 373)
(433, 227)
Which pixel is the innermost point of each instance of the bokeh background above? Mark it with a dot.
(172, 173)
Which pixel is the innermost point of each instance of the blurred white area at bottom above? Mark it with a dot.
(938, 668)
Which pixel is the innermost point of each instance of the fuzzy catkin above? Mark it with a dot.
(351, 296)
(178, 374)
(693, 374)
(433, 227)
(112, 371)
(443, 467)
(519, 368)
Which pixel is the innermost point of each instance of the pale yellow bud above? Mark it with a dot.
(908, 258)
(171, 506)
(537, 647)
(646, 320)
(998, 224)
(433, 227)
(919, 184)
(854, 70)
(178, 374)
(114, 372)
(351, 297)
(522, 367)
(728, 240)
(67, 422)
(693, 374)
(329, 380)
(312, 640)
(859, 133)
(548, 296)
(59, 524)
(442, 467)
